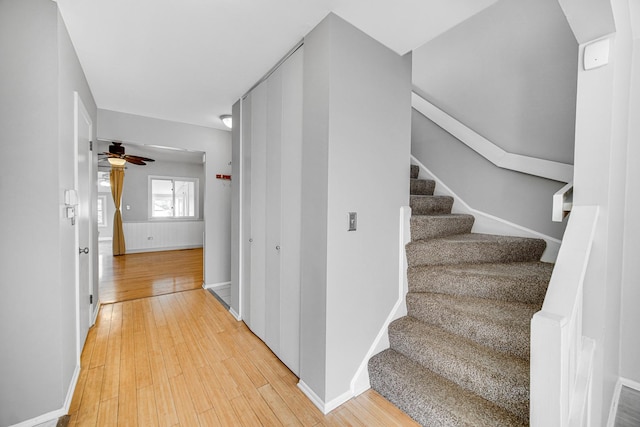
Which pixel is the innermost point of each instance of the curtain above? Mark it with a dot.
(116, 177)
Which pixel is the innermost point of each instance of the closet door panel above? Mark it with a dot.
(258, 210)
(246, 209)
(290, 182)
(273, 210)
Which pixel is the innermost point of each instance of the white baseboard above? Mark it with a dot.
(234, 314)
(490, 224)
(325, 408)
(95, 312)
(52, 417)
(216, 286)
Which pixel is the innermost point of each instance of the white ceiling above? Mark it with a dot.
(190, 60)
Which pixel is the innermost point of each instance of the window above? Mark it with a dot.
(173, 197)
(102, 211)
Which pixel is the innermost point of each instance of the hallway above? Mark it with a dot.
(182, 359)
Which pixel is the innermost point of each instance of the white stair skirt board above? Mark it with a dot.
(360, 382)
(530, 165)
(490, 224)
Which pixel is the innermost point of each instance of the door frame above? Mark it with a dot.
(80, 112)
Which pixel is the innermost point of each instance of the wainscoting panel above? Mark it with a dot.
(163, 235)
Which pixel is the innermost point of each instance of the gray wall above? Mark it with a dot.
(216, 145)
(520, 198)
(509, 73)
(356, 135)
(38, 75)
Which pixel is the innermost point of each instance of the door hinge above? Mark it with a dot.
(90, 145)
(90, 299)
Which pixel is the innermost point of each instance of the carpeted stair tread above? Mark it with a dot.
(423, 187)
(430, 205)
(474, 248)
(500, 378)
(432, 226)
(415, 170)
(517, 281)
(429, 398)
(500, 325)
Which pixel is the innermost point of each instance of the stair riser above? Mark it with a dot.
(503, 337)
(445, 252)
(430, 227)
(429, 205)
(428, 398)
(508, 392)
(422, 187)
(497, 288)
(415, 170)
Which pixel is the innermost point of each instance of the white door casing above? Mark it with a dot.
(83, 129)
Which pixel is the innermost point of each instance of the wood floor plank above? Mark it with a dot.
(215, 393)
(182, 400)
(209, 418)
(147, 412)
(167, 415)
(278, 406)
(102, 326)
(108, 413)
(244, 412)
(192, 377)
(88, 413)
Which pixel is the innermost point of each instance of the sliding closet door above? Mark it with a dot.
(274, 211)
(258, 200)
(272, 143)
(290, 208)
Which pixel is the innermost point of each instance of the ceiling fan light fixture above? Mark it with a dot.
(115, 161)
(227, 120)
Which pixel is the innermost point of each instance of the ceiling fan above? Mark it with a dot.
(116, 156)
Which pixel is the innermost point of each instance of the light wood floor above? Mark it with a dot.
(182, 359)
(142, 275)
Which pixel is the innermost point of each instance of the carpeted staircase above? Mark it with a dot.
(461, 355)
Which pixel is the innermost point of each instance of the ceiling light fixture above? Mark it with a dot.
(115, 161)
(227, 120)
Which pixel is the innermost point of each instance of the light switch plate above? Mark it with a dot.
(353, 221)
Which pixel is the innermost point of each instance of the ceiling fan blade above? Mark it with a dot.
(144, 159)
(134, 160)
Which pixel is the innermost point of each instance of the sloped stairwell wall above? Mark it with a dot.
(509, 74)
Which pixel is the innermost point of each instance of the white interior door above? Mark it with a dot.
(82, 176)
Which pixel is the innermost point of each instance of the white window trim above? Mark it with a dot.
(103, 197)
(196, 181)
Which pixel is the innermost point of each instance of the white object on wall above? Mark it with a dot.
(596, 54)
